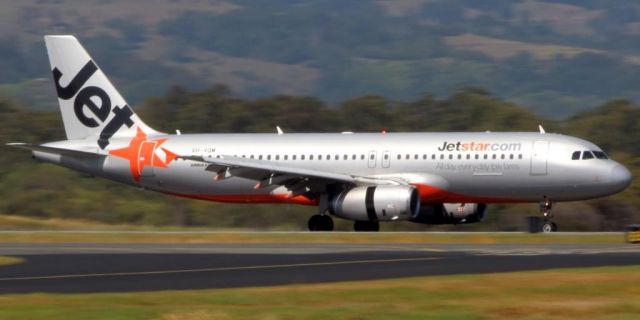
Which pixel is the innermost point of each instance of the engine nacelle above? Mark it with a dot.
(451, 213)
(381, 203)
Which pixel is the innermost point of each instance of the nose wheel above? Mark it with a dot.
(549, 226)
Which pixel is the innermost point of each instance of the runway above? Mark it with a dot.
(90, 268)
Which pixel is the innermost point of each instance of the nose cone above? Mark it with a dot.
(620, 178)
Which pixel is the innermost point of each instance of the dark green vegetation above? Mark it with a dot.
(41, 190)
(556, 58)
(560, 60)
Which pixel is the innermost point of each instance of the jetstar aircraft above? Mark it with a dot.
(430, 178)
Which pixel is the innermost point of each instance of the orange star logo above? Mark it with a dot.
(142, 152)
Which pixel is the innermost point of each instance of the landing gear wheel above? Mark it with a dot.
(549, 226)
(320, 223)
(366, 226)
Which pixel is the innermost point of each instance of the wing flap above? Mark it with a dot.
(261, 170)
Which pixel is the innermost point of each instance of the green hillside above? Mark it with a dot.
(556, 58)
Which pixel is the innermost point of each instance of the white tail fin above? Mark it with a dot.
(91, 106)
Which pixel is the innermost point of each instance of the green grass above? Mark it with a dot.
(52, 230)
(200, 236)
(594, 293)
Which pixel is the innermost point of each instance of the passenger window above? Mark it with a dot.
(286, 157)
(502, 156)
(260, 157)
(345, 157)
(486, 156)
(450, 156)
(353, 157)
(277, 157)
(468, 156)
(372, 156)
(520, 156)
(319, 157)
(511, 156)
(587, 155)
(362, 157)
(433, 157)
(407, 156)
(494, 157)
(441, 156)
(269, 157)
(477, 156)
(575, 155)
(600, 155)
(424, 157)
(294, 157)
(399, 157)
(302, 157)
(459, 156)
(415, 156)
(251, 157)
(386, 157)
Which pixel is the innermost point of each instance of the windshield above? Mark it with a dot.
(600, 155)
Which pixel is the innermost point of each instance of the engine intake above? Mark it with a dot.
(451, 213)
(376, 203)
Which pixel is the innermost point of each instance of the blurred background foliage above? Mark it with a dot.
(557, 58)
(43, 190)
(324, 66)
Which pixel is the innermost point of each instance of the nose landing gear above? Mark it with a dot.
(545, 208)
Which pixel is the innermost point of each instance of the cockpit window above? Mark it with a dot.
(575, 155)
(600, 155)
(587, 155)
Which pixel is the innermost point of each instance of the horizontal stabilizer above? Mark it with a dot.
(53, 150)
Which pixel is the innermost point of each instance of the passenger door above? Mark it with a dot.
(539, 157)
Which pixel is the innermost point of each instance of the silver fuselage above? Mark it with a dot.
(475, 167)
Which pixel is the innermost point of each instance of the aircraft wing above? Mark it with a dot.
(54, 150)
(266, 173)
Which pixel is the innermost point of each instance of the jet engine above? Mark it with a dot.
(451, 213)
(381, 203)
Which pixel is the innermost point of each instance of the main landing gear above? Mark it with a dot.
(366, 226)
(320, 222)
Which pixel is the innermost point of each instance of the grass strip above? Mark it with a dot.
(593, 293)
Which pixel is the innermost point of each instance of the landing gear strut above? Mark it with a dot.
(545, 208)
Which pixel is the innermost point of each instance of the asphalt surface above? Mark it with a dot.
(88, 268)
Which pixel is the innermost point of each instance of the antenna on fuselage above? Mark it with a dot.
(541, 129)
(280, 132)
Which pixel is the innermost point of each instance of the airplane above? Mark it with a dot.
(427, 178)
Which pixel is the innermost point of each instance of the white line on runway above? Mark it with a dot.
(274, 266)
